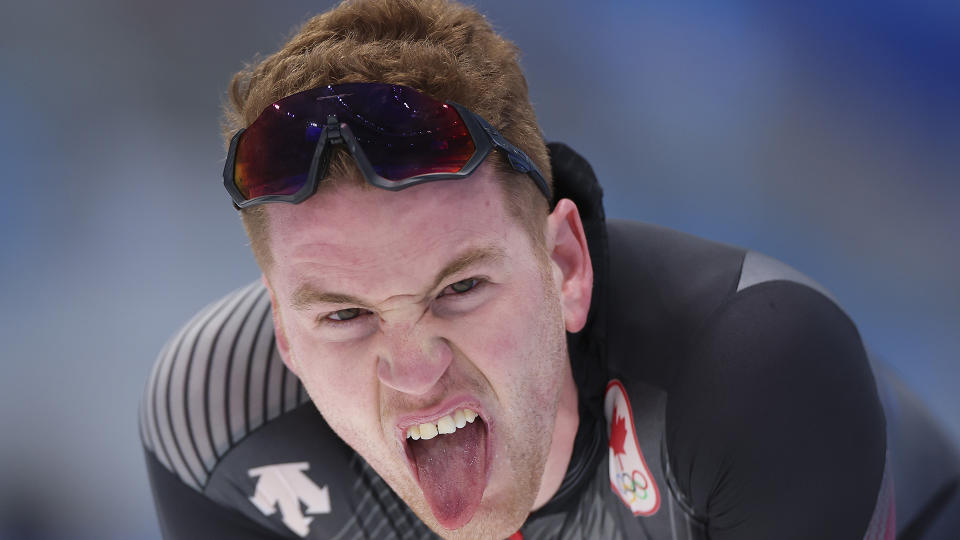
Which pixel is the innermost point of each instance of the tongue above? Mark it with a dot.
(452, 472)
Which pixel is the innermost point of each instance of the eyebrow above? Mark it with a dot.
(306, 295)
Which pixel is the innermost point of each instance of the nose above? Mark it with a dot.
(412, 360)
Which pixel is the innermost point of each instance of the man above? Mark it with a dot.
(449, 338)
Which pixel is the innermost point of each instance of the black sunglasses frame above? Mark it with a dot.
(485, 139)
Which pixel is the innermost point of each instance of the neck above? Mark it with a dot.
(561, 446)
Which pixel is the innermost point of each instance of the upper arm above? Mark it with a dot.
(774, 427)
(184, 513)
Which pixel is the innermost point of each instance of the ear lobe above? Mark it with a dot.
(567, 245)
(283, 346)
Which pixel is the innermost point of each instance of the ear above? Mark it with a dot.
(573, 271)
(283, 346)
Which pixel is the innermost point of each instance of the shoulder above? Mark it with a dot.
(664, 287)
(774, 412)
(661, 285)
(216, 380)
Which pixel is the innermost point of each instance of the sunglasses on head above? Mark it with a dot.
(398, 136)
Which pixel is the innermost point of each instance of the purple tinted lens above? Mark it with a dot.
(402, 132)
(405, 133)
(274, 153)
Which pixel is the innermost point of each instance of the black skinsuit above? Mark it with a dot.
(722, 395)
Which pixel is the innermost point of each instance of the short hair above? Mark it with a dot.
(442, 48)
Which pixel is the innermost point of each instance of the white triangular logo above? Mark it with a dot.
(284, 484)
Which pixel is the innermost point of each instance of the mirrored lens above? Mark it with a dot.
(274, 154)
(405, 133)
(402, 132)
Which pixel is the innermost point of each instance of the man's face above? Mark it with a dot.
(383, 339)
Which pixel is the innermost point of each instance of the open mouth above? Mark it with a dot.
(449, 458)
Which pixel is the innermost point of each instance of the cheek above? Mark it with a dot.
(507, 338)
(349, 409)
(499, 348)
(342, 391)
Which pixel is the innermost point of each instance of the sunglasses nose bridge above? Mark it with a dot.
(332, 127)
(334, 132)
(321, 154)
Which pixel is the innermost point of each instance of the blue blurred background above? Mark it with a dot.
(825, 134)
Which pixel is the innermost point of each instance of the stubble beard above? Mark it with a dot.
(530, 443)
(527, 449)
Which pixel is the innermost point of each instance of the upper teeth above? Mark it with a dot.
(443, 426)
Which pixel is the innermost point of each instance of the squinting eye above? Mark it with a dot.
(465, 285)
(345, 314)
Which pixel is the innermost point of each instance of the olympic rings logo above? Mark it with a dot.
(635, 485)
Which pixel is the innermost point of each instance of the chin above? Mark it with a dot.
(502, 512)
(493, 525)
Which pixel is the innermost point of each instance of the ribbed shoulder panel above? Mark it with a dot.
(218, 379)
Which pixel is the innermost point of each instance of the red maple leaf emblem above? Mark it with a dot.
(618, 436)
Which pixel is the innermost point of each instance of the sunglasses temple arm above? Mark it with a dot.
(518, 158)
(524, 165)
